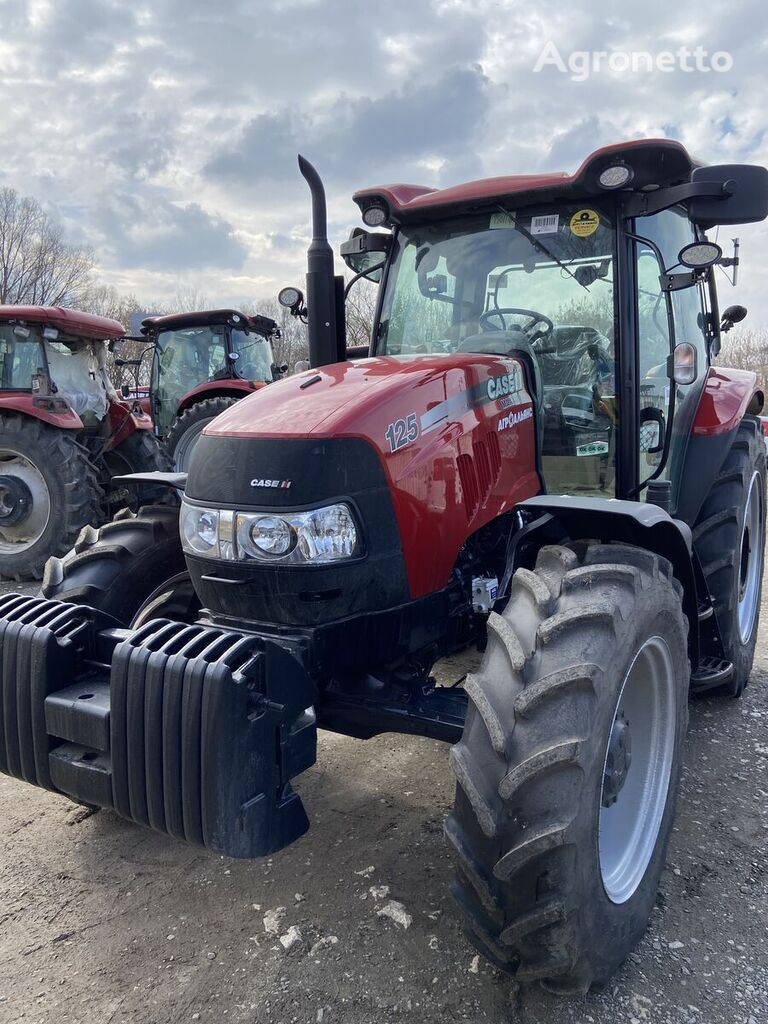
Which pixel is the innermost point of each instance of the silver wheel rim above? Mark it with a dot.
(629, 827)
(182, 453)
(750, 559)
(23, 535)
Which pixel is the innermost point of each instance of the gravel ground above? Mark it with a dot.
(101, 921)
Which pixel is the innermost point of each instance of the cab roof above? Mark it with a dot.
(69, 321)
(206, 318)
(655, 162)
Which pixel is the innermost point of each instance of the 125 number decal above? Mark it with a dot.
(402, 432)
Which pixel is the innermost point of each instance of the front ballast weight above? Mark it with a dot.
(193, 731)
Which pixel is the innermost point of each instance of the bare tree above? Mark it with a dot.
(746, 348)
(361, 309)
(37, 266)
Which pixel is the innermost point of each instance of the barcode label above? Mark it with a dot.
(545, 225)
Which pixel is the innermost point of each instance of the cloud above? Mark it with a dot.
(166, 134)
(155, 234)
(442, 122)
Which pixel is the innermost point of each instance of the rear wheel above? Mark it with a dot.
(132, 568)
(569, 764)
(187, 428)
(140, 452)
(729, 538)
(48, 492)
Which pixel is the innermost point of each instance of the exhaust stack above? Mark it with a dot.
(325, 292)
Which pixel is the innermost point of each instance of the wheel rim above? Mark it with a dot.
(182, 453)
(26, 531)
(637, 770)
(174, 599)
(750, 559)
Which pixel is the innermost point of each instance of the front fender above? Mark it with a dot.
(556, 518)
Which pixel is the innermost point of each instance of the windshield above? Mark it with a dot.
(21, 358)
(483, 283)
(255, 356)
(538, 283)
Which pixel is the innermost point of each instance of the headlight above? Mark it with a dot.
(296, 538)
(199, 528)
(316, 537)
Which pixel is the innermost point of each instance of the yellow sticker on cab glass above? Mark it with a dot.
(584, 223)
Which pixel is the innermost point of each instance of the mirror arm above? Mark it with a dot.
(363, 273)
(643, 204)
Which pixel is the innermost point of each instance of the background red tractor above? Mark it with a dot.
(64, 434)
(202, 363)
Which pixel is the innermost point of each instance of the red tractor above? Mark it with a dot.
(64, 434)
(537, 460)
(201, 363)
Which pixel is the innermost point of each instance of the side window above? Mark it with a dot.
(653, 348)
(670, 230)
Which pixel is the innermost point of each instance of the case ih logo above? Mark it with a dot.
(282, 484)
(507, 384)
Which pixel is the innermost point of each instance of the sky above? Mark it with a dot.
(165, 134)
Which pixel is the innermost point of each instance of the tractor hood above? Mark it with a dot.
(365, 397)
(428, 448)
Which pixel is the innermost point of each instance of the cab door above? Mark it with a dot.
(661, 418)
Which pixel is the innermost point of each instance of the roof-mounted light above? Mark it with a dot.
(375, 215)
(617, 175)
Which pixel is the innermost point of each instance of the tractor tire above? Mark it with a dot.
(132, 568)
(729, 537)
(48, 493)
(188, 426)
(559, 847)
(140, 452)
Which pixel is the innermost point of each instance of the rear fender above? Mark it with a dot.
(125, 418)
(552, 519)
(29, 405)
(234, 388)
(727, 397)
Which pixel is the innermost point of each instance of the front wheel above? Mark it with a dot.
(569, 764)
(187, 428)
(133, 569)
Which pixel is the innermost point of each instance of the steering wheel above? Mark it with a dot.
(534, 318)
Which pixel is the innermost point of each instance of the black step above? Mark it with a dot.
(711, 672)
(80, 714)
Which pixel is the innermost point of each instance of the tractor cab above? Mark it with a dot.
(58, 363)
(600, 283)
(217, 355)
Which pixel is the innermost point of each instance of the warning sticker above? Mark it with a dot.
(547, 225)
(584, 223)
(502, 220)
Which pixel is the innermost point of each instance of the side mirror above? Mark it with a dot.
(652, 430)
(365, 251)
(732, 315)
(301, 366)
(743, 197)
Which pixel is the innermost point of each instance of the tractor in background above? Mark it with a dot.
(202, 363)
(65, 434)
(539, 461)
